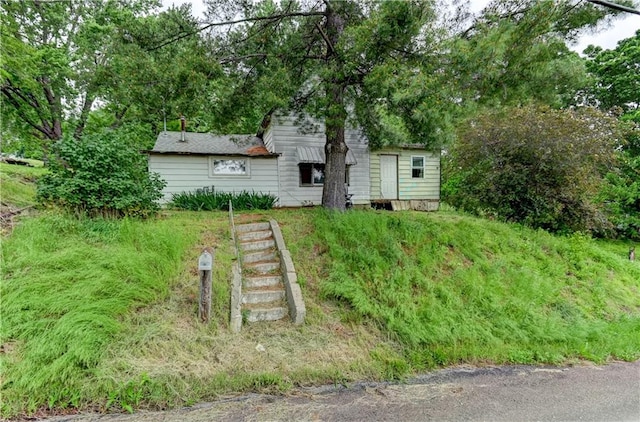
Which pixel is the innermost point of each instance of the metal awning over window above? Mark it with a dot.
(316, 155)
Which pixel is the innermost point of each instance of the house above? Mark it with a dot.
(288, 162)
(406, 177)
(188, 161)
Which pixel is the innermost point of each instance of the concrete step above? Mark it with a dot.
(257, 245)
(262, 281)
(266, 255)
(253, 227)
(262, 296)
(270, 314)
(262, 267)
(256, 235)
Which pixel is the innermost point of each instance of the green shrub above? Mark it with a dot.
(621, 193)
(533, 165)
(100, 175)
(208, 199)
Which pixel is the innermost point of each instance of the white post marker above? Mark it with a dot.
(205, 267)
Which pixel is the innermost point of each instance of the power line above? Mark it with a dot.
(615, 6)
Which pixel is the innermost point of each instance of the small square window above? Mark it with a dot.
(311, 174)
(417, 167)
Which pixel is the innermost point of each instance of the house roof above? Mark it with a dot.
(316, 155)
(210, 144)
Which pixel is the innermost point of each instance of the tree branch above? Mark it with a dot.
(326, 39)
(254, 19)
(22, 114)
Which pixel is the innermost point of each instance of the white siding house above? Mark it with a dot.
(288, 162)
(301, 162)
(408, 174)
(230, 163)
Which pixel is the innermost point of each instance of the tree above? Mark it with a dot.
(62, 59)
(400, 76)
(325, 58)
(535, 165)
(147, 83)
(53, 54)
(515, 52)
(617, 88)
(618, 77)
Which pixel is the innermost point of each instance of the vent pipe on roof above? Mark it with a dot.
(183, 128)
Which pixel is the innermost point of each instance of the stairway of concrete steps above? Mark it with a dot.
(263, 294)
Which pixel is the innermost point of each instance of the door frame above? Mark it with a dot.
(397, 176)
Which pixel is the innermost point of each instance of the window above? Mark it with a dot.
(417, 167)
(313, 174)
(229, 167)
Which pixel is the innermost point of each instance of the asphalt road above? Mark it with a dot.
(506, 393)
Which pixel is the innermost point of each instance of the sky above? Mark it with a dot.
(606, 38)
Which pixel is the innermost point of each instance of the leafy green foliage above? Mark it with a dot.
(618, 79)
(621, 193)
(208, 199)
(536, 166)
(101, 174)
(516, 52)
(617, 87)
(56, 55)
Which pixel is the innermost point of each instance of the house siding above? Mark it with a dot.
(286, 137)
(186, 173)
(267, 138)
(408, 187)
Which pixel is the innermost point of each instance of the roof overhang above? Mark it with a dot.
(316, 155)
(270, 155)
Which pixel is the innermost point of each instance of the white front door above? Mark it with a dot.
(389, 176)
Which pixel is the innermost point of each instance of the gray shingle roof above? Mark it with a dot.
(209, 144)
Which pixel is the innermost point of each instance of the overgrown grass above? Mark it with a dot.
(66, 286)
(17, 183)
(103, 314)
(208, 199)
(460, 289)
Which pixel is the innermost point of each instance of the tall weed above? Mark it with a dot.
(66, 283)
(453, 288)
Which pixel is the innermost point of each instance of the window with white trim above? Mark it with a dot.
(417, 167)
(229, 167)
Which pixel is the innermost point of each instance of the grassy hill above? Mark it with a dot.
(18, 187)
(101, 315)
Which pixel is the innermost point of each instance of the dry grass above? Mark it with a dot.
(167, 341)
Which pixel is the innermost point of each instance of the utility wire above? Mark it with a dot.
(615, 6)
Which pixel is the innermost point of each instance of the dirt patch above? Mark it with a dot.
(9, 215)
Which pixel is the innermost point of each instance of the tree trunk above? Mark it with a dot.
(89, 98)
(54, 109)
(333, 193)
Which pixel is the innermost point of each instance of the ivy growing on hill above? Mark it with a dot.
(100, 175)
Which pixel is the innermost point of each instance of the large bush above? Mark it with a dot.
(621, 195)
(534, 165)
(101, 174)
